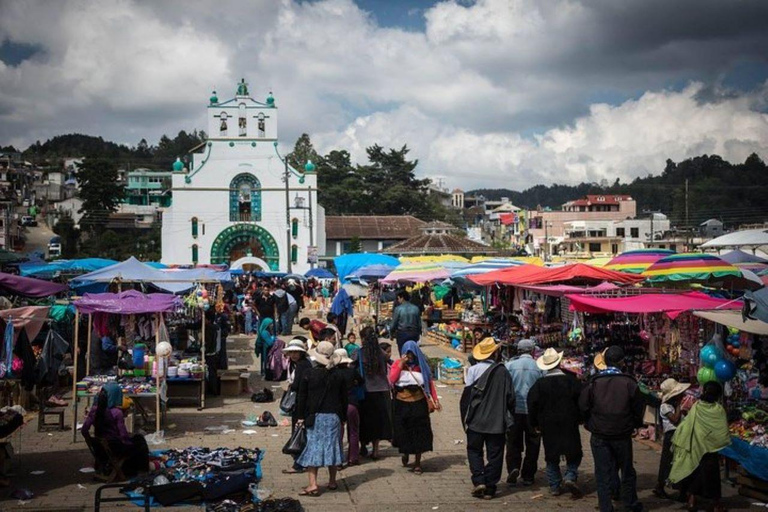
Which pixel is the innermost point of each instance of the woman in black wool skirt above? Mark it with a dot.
(376, 407)
(415, 399)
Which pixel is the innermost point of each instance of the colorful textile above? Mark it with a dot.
(690, 267)
(411, 347)
(636, 262)
(704, 430)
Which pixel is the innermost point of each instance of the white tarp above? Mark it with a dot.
(745, 238)
(734, 319)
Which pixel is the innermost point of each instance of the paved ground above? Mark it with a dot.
(379, 486)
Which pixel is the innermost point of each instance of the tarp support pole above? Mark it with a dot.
(88, 349)
(202, 359)
(158, 317)
(75, 350)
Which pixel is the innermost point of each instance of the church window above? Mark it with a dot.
(294, 253)
(295, 228)
(241, 122)
(223, 125)
(194, 227)
(262, 126)
(245, 199)
(195, 254)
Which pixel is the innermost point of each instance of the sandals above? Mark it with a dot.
(314, 493)
(293, 471)
(333, 487)
(416, 470)
(404, 460)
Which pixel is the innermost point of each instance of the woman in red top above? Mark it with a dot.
(415, 398)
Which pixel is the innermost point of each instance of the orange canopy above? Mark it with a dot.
(574, 273)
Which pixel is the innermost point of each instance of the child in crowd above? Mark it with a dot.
(351, 347)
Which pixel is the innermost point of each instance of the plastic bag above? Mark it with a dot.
(451, 363)
(155, 438)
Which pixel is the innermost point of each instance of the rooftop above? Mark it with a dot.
(372, 227)
(439, 243)
(599, 199)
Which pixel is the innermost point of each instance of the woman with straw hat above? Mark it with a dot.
(553, 409)
(322, 408)
(672, 393)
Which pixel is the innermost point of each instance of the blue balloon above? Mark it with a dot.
(725, 370)
(709, 356)
(736, 344)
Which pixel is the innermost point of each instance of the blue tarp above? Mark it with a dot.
(369, 272)
(348, 263)
(753, 459)
(320, 273)
(64, 266)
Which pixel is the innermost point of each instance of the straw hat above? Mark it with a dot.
(295, 345)
(323, 353)
(599, 361)
(549, 359)
(670, 388)
(485, 349)
(343, 356)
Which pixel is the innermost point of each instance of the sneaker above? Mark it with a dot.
(478, 491)
(512, 478)
(556, 491)
(570, 486)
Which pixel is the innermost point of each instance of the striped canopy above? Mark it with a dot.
(636, 262)
(486, 266)
(698, 267)
(417, 273)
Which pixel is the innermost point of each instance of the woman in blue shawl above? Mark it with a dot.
(415, 399)
(265, 338)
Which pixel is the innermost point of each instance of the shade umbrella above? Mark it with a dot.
(485, 266)
(708, 269)
(416, 273)
(319, 273)
(370, 272)
(635, 262)
(741, 259)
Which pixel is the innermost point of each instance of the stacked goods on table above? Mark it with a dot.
(198, 474)
(91, 385)
(751, 426)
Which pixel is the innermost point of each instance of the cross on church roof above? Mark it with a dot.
(242, 88)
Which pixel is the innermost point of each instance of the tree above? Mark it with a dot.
(303, 151)
(355, 246)
(100, 191)
(69, 234)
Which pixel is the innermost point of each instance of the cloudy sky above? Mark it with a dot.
(499, 93)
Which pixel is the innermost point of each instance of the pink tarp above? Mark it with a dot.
(127, 303)
(29, 287)
(672, 304)
(558, 290)
(30, 318)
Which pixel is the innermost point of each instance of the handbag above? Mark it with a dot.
(297, 441)
(431, 405)
(288, 402)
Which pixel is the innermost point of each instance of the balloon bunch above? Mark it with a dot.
(202, 298)
(714, 365)
(575, 335)
(732, 342)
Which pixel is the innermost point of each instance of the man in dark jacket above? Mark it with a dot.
(612, 404)
(406, 320)
(553, 410)
(487, 407)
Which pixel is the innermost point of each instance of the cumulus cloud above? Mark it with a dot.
(515, 90)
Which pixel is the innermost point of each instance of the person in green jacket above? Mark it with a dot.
(696, 463)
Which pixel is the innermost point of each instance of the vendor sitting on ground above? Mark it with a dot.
(106, 417)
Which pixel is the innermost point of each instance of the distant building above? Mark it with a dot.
(711, 228)
(457, 199)
(10, 231)
(598, 238)
(375, 232)
(146, 187)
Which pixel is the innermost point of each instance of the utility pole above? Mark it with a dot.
(287, 217)
(546, 241)
(687, 227)
(311, 226)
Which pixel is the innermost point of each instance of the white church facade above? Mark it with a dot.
(230, 201)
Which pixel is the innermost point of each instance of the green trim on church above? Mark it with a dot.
(239, 233)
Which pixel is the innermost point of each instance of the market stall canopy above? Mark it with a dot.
(736, 320)
(746, 238)
(485, 267)
(575, 273)
(671, 303)
(370, 272)
(348, 263)
(127, 303)
(29, 287)
(319, 273)
(440, 258)
(64, 267)
(756, 305)
(8, 257)
(533, 260)
(558, 290)
(741, 259)
(134, 271)
(29, 318)
(597, 262)
(635, 262)
(700, 268)
(417, 273)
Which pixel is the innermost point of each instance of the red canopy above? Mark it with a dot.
(533, 275)
(672, 304)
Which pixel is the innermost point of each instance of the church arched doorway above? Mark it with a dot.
(242, 240)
